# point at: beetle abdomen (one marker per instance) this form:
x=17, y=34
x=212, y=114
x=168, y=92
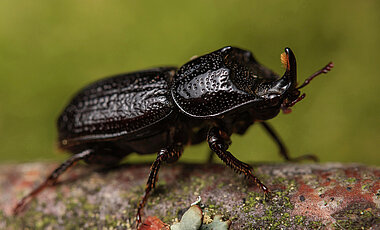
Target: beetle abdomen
x=117, y=106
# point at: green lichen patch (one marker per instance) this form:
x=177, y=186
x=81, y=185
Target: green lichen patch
x=357, y=216
x=275, y=210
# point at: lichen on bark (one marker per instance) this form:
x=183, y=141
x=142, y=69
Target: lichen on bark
x=303, y=196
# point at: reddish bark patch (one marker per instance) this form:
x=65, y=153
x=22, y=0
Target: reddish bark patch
x=329, y=193
x=153, y=223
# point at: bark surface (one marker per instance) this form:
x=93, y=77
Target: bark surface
x=331, y=195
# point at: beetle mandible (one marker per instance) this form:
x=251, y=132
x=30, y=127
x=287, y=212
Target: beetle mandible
x=209, y=98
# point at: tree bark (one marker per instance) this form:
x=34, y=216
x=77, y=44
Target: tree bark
x=331, y=195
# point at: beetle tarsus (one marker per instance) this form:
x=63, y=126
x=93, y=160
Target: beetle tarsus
x=283, y=150
x=51, y=180
x=310, y=157
x=169, y=155
x=219, y=144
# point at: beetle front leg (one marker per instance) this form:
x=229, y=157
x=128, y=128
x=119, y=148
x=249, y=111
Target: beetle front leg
x=281, y=146
x=218, y=141
x=52, y=179
x=168, y=155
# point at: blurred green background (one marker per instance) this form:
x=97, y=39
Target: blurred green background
x=51, y=49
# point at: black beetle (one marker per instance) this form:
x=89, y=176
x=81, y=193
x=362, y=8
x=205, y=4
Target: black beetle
x=163, y=109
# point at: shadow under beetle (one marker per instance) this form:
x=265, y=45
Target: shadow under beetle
x=163, y=109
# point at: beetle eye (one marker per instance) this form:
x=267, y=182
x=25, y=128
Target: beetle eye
x=273, y=99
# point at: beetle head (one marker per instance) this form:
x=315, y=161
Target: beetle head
x=284, y=92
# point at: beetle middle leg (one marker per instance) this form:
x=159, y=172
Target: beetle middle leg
x=168, y=155
x=219, y=141
x=52, y=179
x=283, y=150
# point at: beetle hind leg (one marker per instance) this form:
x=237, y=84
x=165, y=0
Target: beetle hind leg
x=51, y=180
x=283, y=150
x=218, y=141
x=168, y=155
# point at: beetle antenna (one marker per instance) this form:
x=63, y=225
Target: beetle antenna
x=285, y=107
x=291, y=104
x=325, y=70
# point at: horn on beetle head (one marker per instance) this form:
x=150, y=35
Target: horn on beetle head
x=289, y=61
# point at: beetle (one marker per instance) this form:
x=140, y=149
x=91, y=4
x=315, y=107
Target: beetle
x=207, y=99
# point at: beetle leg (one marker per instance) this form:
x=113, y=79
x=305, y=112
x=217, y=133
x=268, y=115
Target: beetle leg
x=218, y=141
x=210, y=157
x=283, y=150
x=168, y=155
x=52, y=179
